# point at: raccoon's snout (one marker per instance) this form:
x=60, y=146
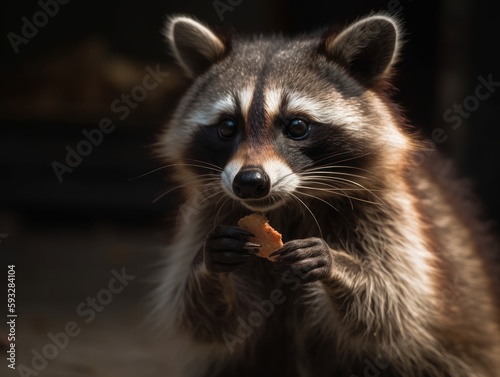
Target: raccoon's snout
x=251, y=183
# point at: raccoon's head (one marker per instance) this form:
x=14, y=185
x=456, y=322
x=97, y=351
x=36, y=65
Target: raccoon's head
x=271, y=120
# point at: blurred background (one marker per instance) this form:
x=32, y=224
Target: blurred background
x=69, y=67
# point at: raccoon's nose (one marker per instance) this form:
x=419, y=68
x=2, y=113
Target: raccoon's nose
x=251, y=183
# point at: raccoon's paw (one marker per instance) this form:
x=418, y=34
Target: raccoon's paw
x=310, y=259
x=227, y=248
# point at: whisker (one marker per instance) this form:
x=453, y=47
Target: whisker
x=327, y=182
x=208, y=181
x=284, y=201
x=211, y=196
x=195, y=166
x=335, y=164
x=216, y=218
x=335, y=190
x=324, y=167
x=353, y=158
x=319, y=178
x=207, y=166
x=149, y=172
x=312, y=214
x=341, y=173
x=359, y=185
x=206, y=163
x=330, y=156
x=318, y=198
x=344, y=194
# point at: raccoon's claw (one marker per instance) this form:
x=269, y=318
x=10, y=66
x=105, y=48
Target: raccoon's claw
x=227, y=248
x=310, y=259
x=221, y=231
x=251, y=246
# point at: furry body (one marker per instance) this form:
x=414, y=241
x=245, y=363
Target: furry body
x=380, y=273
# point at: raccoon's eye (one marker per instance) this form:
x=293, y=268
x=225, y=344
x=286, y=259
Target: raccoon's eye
x=228, y=129
x=298, y=129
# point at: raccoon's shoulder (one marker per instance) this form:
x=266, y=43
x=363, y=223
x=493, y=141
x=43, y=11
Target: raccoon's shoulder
x=448, y=202
x=438, y=179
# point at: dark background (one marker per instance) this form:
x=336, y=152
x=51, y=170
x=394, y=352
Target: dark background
x=61, y=82
x=66, y=236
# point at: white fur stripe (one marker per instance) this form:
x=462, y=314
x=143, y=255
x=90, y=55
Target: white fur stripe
x=337, y=111
x=281, y=176
x=273, y=98
x=227, y=176
x=245, y=97
x=210, y=114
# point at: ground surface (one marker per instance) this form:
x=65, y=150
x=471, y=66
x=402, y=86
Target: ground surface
x=56, y=272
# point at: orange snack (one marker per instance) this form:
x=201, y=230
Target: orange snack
x=268, y=238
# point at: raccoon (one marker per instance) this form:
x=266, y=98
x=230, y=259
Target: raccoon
x=384, y=268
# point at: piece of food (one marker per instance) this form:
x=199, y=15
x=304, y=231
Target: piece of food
x=265, y=235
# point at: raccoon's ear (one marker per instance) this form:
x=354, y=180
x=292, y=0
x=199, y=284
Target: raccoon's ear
x=367, y=49
x=193, y=44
